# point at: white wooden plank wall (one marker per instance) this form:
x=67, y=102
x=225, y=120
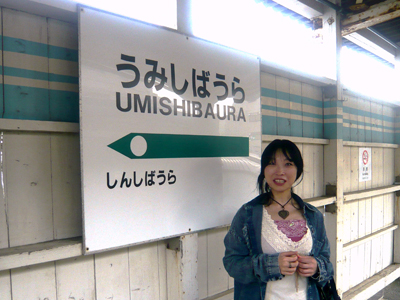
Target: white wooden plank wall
x=365, y=216
x=41, y=202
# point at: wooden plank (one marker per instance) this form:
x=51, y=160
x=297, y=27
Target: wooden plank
x=28, y=181
x=396, y=239
x=368, y=230
x=227, y=295
x=66, y=185
x=296, y=117
x=353, y=117
x=372, y=285
x=363, y=253
x=387, y=247
x=173, y=276
x=189, y=265
x=376, y=14
x=345, y=276
x=112, y=274
x=368, y=128
x=354, y=221
x=347, y=170
x=308, y=178
x=25, y=100
x=369, y=237
x=320, y=201
x=354, y=169
x=162, y=268
x=361, y=119
x=346, y=122
x=5, y=285
x=38, y=126
x=312, y=126
x=34, y=282
x=282, y=95
x=64, y=106
x=4, y=221
x=319, y=186
x=202, y=274
x=388, y=209
x=75, y=278
x=269, y=124
x=356, y=266
x=377, y=223
x=388, y=162
x=346, y=224
x=363, y=144
x=371, y=192
x=217, y=276
x=143, y=271
x=295, y=139
x=16, y=257
x=4, y=242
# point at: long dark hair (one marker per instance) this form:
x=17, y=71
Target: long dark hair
x=292, y=153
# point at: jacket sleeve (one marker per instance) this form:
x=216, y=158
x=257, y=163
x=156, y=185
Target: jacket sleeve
x=322, y=254
x=241, y=263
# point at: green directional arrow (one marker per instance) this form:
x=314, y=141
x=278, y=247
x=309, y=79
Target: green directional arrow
x=151, y=145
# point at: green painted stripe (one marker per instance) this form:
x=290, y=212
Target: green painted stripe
x=17, y=72
x=62, y=53
x=268, y=93
x=333, y=104
x=24, y=46
x=333, y=131
x=30, y=103
x=363, y=113
x=290, y=97
x=183, y=146
x=271, y=126
x=347, y=121
x=39, y=49
x=292, y=111
x=329, y=117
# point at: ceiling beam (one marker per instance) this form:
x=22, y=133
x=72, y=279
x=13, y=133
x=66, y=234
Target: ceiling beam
x=373, y=43
x=378, y=13
x=307, y=8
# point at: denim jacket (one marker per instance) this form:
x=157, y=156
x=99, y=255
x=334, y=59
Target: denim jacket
x=251, y=269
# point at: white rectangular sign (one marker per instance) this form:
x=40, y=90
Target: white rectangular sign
x=365, y=172
x=170, y=131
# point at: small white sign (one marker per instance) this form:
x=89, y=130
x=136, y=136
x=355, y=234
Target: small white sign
x=365, y=164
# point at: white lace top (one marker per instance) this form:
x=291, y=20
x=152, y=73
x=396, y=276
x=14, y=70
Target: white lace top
x=274, y=241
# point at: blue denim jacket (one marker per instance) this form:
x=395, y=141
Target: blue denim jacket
x=252, y=269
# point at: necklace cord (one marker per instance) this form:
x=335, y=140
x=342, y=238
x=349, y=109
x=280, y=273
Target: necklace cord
x=283, y=206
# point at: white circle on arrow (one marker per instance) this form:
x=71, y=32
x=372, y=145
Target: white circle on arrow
x=138, y=145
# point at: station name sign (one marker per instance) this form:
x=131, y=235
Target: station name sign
x=170, y=131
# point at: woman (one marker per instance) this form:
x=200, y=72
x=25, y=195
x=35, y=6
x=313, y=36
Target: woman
x=276, y=247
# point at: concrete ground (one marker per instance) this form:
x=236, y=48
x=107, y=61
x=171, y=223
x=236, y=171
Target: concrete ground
x=391, y=292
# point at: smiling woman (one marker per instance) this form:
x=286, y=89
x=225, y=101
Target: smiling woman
x=276, y=246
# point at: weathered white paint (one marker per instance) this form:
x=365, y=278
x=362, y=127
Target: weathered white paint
x=47, y=153
x=24, y=256
x=112, y=274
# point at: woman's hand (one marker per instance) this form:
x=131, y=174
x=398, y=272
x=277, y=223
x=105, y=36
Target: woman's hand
x=288, y=262
x=307, y=266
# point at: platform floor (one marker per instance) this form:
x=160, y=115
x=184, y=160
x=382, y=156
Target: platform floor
x=391, y=292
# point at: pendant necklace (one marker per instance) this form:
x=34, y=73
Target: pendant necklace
x=282, y=213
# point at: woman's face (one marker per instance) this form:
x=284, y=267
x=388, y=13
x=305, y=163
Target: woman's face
x=280, y=173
